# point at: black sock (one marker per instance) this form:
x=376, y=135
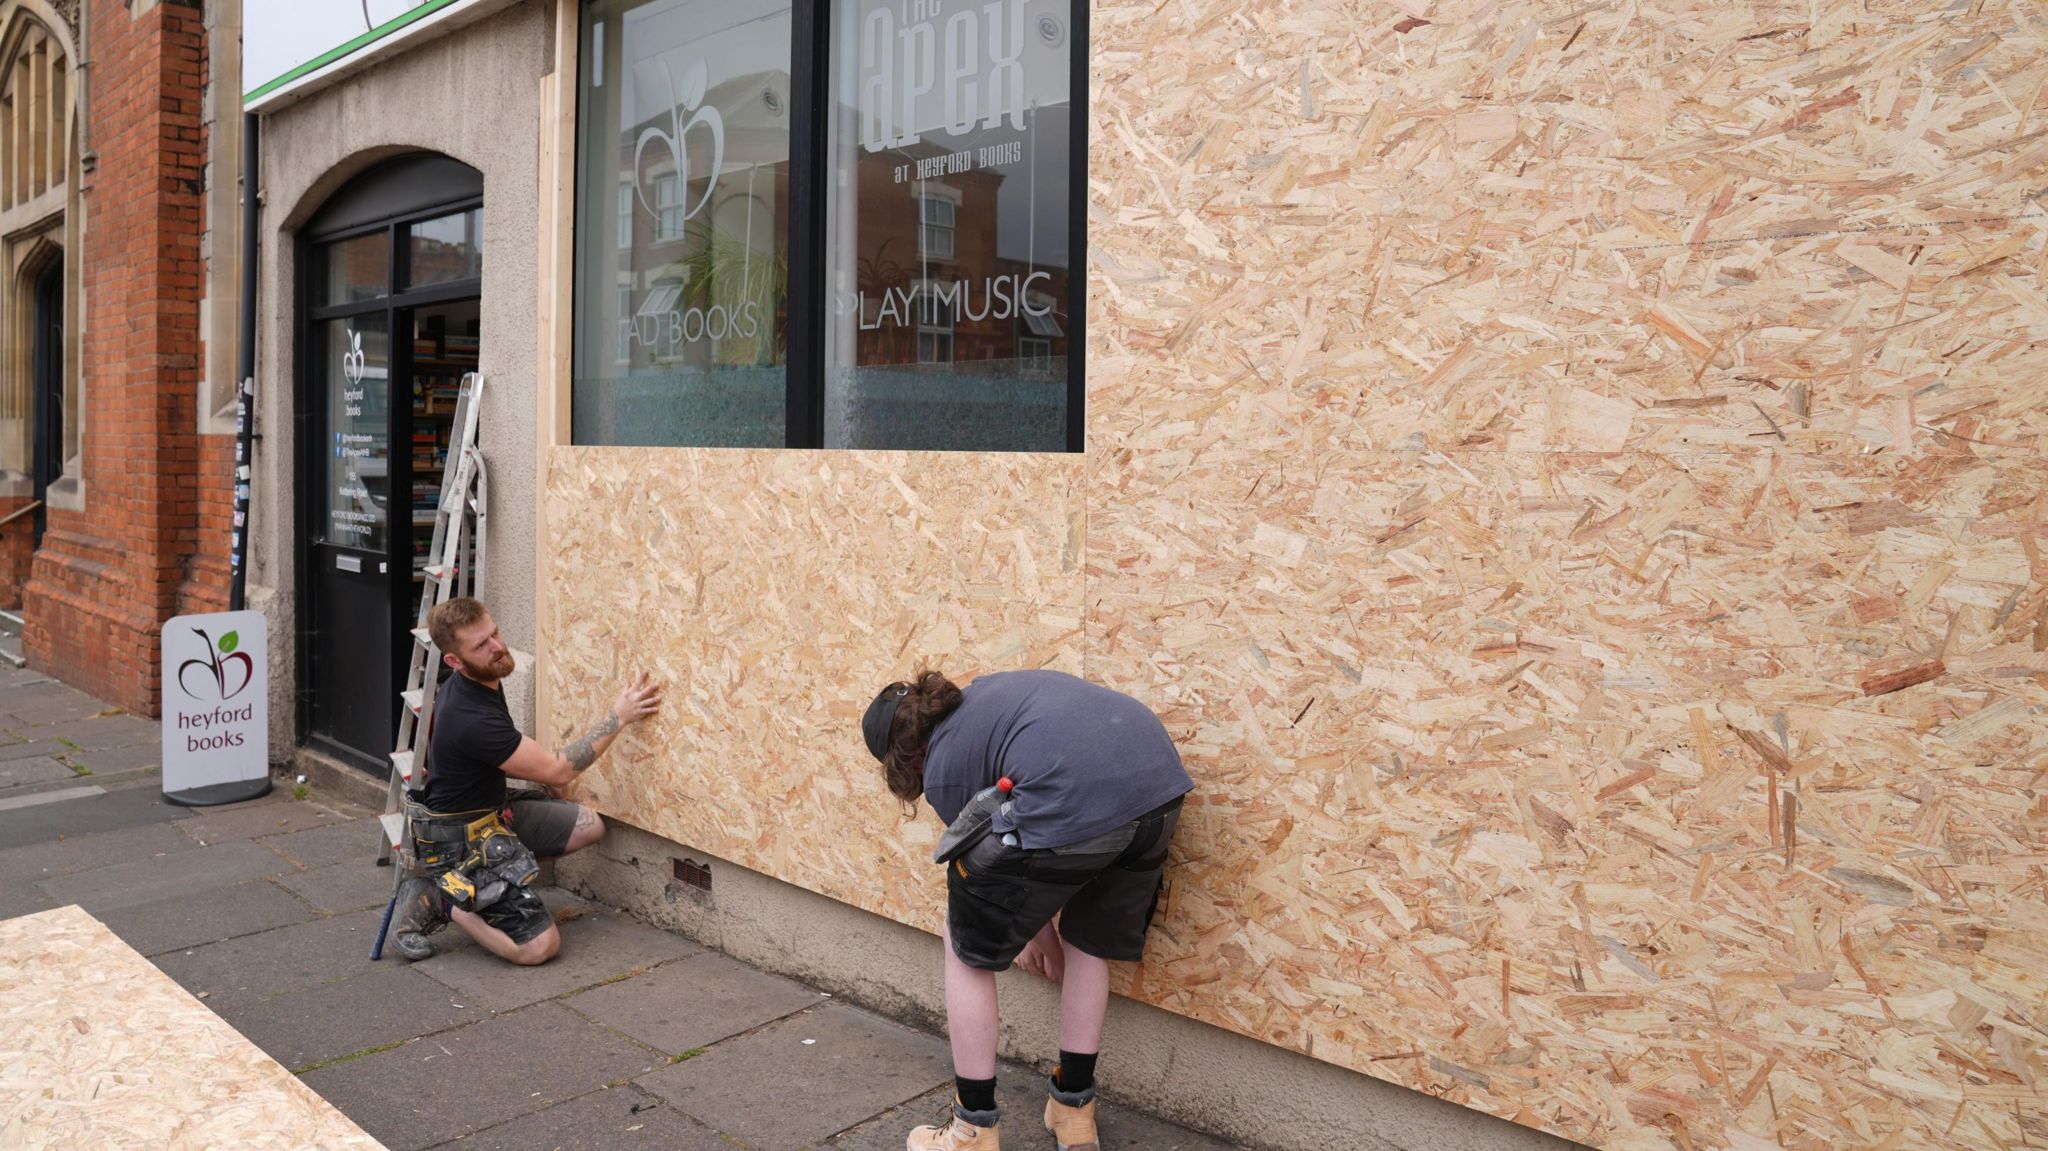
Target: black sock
x=1077, y=1072
x=976, y=1094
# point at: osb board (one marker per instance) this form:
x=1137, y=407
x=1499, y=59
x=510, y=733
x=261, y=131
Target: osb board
x=774, y=592
x=100, y=1049
x=1488, y=747
x=1517, y=435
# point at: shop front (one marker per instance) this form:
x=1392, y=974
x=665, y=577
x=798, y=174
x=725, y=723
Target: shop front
x=1515, y=451
x=391, y=279
x=396, y=152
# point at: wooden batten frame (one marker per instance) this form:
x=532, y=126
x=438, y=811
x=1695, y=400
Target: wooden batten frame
x=556, y=311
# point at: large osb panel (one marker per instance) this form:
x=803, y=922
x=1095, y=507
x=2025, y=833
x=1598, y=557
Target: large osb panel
x=775, y=591
x=100, y=1049
x=1549, y=783
x=1528, y=442
x=1529, y=225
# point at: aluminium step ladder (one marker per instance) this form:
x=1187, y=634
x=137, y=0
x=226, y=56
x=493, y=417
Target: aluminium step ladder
x=455, y=567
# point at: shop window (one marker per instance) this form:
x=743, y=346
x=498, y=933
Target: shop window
x=851, y=225
x=686, y=105
x=447, y=249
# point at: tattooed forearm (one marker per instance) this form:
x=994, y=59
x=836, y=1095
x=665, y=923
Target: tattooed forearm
x=583, y=752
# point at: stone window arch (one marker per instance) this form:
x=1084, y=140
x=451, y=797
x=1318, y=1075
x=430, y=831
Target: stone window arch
x=40, y=226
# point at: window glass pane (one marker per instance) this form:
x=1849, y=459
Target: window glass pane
x=680, y=324
x=355, y=364
x=354, y=270
x=448, y=249
x=947, y=225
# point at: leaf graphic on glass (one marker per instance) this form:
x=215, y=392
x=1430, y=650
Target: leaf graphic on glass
x=214, y=669
x=352, y=361
x=675, y=139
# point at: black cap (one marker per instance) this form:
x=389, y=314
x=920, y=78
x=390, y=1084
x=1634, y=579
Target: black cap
x=881, y=716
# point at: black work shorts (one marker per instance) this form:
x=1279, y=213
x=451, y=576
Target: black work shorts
x=519, y=914
x=544, y=826
x=1104, y=891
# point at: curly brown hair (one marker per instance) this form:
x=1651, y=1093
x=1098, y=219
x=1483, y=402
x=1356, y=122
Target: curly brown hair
x=932, y=697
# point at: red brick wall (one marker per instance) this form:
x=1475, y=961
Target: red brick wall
x=142, y=550
x=17, y=542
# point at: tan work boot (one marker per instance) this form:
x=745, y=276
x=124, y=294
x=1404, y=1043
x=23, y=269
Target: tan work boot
x=960, y=1134
x=1070, y=1116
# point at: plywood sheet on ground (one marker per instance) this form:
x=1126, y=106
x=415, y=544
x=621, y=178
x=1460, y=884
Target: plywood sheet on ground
x=100, y=1049
x=1571, y=476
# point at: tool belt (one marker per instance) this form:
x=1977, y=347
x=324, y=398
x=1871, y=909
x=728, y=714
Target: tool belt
x=472, y=856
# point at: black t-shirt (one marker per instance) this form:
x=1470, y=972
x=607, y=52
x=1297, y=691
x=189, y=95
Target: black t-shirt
x=473, y=738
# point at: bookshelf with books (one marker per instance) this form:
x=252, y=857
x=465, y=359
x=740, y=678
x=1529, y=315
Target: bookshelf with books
x=444, y=350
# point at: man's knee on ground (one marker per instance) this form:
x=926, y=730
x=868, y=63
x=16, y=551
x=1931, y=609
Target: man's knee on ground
x=540, y=948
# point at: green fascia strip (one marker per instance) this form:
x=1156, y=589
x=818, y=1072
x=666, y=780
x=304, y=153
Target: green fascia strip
x=333, y=54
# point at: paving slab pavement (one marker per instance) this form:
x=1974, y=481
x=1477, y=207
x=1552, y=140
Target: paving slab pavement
x=34, y=769
x=211, y=915
x=433, y=1089
x=693, y=1002
x=341, y=887
x=806, y=1078
x=267, y=910
x=622, y=1118
x=391, y=1004
x=598, y=946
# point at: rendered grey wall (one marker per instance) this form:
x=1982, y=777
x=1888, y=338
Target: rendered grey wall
x=1210, y=1079
x=474, y=95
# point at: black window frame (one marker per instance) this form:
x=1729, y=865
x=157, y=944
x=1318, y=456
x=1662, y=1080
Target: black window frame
x=809, y=180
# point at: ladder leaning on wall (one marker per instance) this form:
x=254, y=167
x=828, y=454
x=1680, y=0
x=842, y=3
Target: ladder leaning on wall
x=455, y=567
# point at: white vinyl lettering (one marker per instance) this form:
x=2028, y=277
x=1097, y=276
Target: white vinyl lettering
x=975, y=69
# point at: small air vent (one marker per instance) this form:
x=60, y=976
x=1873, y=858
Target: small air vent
x=694, y=873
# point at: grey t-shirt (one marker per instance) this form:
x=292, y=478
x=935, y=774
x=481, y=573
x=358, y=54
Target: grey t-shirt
x=1085, y=760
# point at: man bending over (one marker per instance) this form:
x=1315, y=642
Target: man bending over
x=476, y=846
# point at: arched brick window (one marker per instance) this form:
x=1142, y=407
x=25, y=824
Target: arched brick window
x=40, y=404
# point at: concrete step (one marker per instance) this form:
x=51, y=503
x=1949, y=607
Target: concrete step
x=10, y=639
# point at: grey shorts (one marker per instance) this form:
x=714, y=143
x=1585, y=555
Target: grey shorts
x=544, y=825
x=1104, y=891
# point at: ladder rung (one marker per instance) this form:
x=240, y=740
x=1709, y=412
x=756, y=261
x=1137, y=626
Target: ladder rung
x=422, y=637
x=401, y=762
x=413, y=699
x=394, y=828
x=440, y=572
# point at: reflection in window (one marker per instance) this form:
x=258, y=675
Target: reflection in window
x=936, y=236
x=683, y=156
x=947, y=225
x=448, y=249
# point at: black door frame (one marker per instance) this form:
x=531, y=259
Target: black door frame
x=310, y=414
x=46, y=388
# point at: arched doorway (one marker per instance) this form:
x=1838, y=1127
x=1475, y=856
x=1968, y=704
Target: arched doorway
x=390, y=302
